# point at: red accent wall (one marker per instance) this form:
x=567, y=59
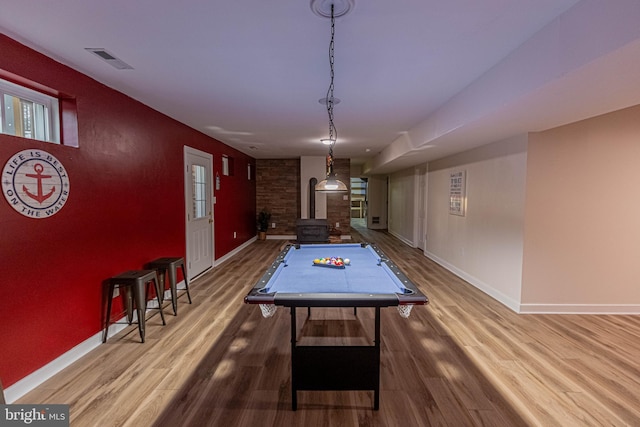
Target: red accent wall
x=125, y=208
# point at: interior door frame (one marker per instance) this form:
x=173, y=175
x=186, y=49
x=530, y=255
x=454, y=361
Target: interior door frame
x=420, y=233
x=187, y=204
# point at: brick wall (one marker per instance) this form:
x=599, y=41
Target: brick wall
x=278, y=190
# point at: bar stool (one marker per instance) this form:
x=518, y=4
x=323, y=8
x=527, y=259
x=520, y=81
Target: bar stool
x=136, y=282
x=162, y=265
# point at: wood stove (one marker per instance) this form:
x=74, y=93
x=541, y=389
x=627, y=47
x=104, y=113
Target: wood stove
x=312, y=230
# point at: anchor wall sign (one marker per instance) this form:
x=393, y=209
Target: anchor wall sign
x=35, y=183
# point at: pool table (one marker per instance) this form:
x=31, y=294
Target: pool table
x=361, y=276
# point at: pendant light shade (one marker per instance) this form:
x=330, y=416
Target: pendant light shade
x=331, y=183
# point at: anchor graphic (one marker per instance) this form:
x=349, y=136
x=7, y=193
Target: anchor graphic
x=40, y=197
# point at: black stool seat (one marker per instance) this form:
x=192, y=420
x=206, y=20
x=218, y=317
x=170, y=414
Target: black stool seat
x=136, y=282
x=171, y=264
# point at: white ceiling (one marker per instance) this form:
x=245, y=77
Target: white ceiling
x=417, y=79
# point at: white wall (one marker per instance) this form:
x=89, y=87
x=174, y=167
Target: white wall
x=552, y=219
x=402, y=215
x=377, y=201
x=485, y=246
x=582, y=228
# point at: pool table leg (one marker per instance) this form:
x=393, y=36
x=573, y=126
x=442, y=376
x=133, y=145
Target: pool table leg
x=376, y=392
x=294, y=382
x=376, y=356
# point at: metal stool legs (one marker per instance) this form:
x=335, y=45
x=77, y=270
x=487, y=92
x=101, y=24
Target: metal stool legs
x=170, y=265
x=134, y=282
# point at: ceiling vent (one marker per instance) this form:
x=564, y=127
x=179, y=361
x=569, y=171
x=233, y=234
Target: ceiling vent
x=109, y=58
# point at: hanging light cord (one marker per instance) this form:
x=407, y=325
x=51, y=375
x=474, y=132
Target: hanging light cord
x=331, y=184
x=333, y=132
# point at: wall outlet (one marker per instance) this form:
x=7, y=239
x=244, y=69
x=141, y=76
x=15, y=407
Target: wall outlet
x=273, y=225
x=337, y=225
x=345, y=197
x=234, y=235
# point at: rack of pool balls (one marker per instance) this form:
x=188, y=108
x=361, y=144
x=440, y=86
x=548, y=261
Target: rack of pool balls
x=334, y=262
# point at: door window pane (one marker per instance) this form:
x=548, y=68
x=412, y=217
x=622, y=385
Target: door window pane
x=199, y=182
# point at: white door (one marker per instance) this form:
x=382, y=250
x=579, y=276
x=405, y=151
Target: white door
x=198, y=179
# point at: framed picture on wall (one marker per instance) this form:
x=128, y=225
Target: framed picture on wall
x=457, y=192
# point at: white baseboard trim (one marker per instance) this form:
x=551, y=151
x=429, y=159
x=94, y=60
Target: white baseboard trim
x=402, y=238
x=234, y=252
x=602, y=309
x=487, y=289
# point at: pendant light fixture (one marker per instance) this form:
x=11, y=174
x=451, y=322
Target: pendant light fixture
x=331, y=183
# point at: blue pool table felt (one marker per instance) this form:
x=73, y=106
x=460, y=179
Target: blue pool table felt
x=364, y=274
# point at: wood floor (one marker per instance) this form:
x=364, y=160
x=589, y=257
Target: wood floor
x=463, y=360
